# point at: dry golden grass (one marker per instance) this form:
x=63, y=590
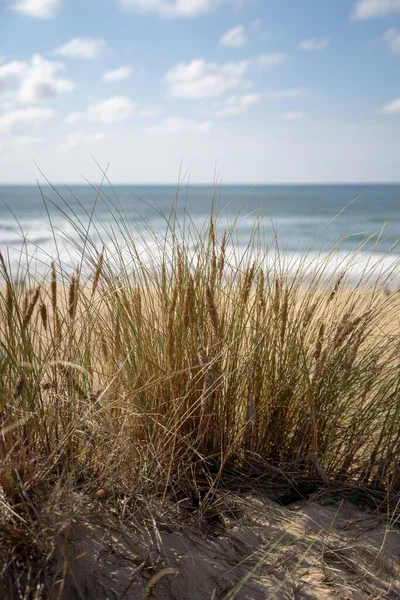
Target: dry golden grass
x=152, y=380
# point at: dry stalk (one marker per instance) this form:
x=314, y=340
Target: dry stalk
x=117, y=336
x=58, y=329
x=319, y=342
x=344, y=330
x=31, y=307
x=221, y=261
x=284, y=314
x=260, y=293
x=170, y=325
x=25, y=303
x=9, y=299
x=336, y=288
x=9, y=308
x=54, y=305
x=247, y=283
x=212, y=310
x=97, y=272
x=20, y=386
x=43, y=314
x=209, y=374
x=104, y=345
x=309, y=315
x=71, y=379
x=181, y=268
x=137, y=307
x=73, y=297
x=251, y=411
x=189, y=306
x=164, y=281
x=53, y=287
x=350, y=360
x=277, y=297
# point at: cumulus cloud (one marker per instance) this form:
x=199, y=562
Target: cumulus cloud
x=271, y=61
x=178, y=125
x=392, y=38
x=25, y=119
x=78, y=138
x=201, y=79
x=235, y=38
x=236, y=105
x=392, y=108
x=171, y=8
x=117, y=74
x=113, y=110
x=314, y=44
x=84, y=47
x=39, y=9
x=370, y=9
x=284, y=94
x=294, y=116
x=33, y=81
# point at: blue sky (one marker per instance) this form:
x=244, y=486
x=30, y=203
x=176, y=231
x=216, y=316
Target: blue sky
x=274, y=91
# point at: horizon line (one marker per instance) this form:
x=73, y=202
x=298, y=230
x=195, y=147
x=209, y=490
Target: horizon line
x=208, y=184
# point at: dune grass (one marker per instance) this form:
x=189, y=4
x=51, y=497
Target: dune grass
x=154, y=367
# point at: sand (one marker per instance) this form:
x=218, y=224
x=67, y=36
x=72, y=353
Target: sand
x=314, y=550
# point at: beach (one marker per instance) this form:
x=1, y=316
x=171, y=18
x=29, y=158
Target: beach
x=186, y=389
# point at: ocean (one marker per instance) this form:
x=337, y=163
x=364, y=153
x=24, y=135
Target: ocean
x=36, y=225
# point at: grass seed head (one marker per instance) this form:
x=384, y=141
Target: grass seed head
x=97, y=272
x=31, y=307
x=43, y=314
x=73, y=297
x=53, y=287
x=20, y=386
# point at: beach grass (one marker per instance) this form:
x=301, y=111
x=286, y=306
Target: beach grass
x=155, y=369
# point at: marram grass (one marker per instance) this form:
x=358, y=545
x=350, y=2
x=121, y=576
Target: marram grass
x=138, y=376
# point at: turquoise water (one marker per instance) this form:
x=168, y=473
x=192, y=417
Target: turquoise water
x=298, y=214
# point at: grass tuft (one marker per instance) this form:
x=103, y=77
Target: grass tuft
x=205, y=359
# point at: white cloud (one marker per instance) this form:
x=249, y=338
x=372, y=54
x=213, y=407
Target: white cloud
x=27, y=140
x=85, y=47
x=314, y=44
x=235, y=38
x=271, y=61
x=117, y=74
x=294, y=116
x=113, y=110
x=201, y=79
x=40, y=9
x=392, y=108
x=178, y=125
x=370, y=9
x=392, y=37
x=236, y=105
x=284, y=94
x=149, y=112
x=33, y=81
x=25, y=119
x=20, y=142
x=171, y=8
x=79, y=138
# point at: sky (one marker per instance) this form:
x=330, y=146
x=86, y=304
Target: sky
x=249, y=91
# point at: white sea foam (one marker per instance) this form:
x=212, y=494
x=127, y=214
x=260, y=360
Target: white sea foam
x=33, y=243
